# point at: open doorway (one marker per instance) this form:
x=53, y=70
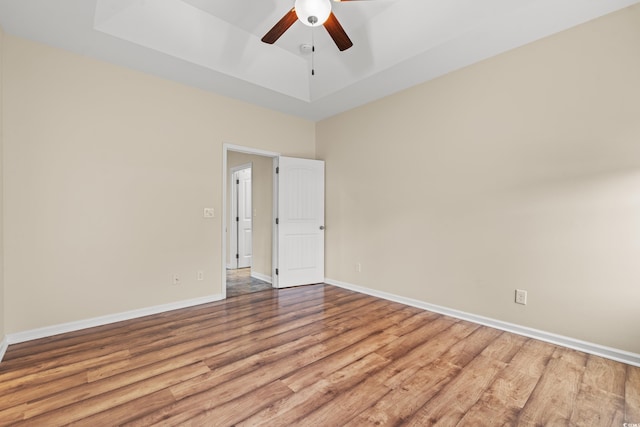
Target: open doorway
x=288, y=229
x=249, y=213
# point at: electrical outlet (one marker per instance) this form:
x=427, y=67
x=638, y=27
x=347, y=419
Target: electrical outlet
x=521, y=297
x=209, y=213
x=200, y=275
x=176, y=279
x=358, y=267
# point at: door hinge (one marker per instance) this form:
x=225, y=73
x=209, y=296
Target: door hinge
x=277, y=169
x=237, y=219
x=276, y=271
x=237, y=256
x=277, y=221
x=237, y=181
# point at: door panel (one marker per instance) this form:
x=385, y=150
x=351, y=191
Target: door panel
x=301, y=222
x=244, y=218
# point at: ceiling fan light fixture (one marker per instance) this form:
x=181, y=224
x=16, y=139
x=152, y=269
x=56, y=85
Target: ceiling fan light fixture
x=313, y=13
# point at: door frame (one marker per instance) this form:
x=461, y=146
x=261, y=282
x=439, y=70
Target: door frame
x=233, y=236
x=274, y=250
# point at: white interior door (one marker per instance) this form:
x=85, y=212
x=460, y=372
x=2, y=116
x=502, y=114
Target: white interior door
x=243, y=182
x=300, y=229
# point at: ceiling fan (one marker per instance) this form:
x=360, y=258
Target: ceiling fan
x=312, y=13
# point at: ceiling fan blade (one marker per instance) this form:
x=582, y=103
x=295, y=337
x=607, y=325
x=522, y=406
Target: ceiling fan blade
x=281, y=26
x=337, y=33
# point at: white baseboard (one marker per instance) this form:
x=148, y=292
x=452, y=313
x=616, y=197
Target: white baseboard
x=587, y=347
x=4, y=344
x=261, y=276
x=62, y=328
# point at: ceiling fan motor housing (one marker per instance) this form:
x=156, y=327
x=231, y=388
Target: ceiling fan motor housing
x=312, y=12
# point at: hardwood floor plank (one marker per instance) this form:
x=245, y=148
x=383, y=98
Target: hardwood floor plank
x=437, y=377
x=314, y=355
x=70, y=405
x=632, y=395
x=323, y=368
x=13, y=415
x=436, y=383
x=231, y=380
x=40, y=376
x=128, y=411
x=451, y=403
x=419, y=319
x=346, y=405
x=294, y=408
x=559, y=384
x=512, y=387
x=59, y=366
x=232, y=412
x=306, y=350
x=600, y=401
x=605, y=375
x=202, y=341
x=594, y=407
x=257, y=347
x=505, y=347
x=312, y=373
x=144, y=335
x=416, y=337
x=227, y=383
x=232, y=338
x=404, y=400
x=457, y=396
x=32, y=351
x=35, y=391
x=405, y=365
x=462, y=352
x=245, y=306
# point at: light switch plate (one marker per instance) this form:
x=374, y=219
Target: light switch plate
x=209, y=213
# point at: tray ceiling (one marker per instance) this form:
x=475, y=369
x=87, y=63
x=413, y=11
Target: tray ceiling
x=215, y=44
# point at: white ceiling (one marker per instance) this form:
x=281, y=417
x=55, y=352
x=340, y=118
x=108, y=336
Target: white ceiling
x=215, y=44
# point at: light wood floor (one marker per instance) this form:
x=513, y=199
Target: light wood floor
x=312, y=356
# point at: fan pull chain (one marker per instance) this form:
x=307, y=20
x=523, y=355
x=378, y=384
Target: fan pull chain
x=313, y=49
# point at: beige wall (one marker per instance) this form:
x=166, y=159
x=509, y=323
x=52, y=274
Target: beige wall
x=522, y=171
x=2, y=300
x=107, y=171
x=262, y=201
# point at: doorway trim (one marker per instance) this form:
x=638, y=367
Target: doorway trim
x=226, y=147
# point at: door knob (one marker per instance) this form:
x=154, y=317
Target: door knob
x=322, y=227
